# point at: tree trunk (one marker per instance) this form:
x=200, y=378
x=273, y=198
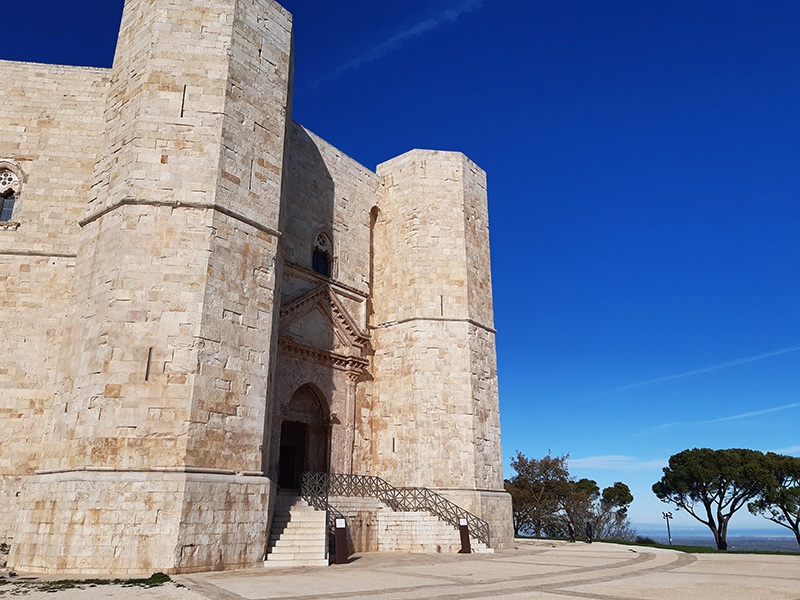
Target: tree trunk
x=722, y=537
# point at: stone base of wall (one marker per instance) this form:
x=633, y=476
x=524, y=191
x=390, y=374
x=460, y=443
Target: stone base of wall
x=494, y=507
x=140, y=522
x=10, y=492
x=496, y=510
x=374, y=527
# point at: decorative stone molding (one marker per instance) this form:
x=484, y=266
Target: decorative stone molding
x=12, y=166
x=322, y=297
x=303, y=352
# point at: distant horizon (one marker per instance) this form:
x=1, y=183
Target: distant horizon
x=738, y=531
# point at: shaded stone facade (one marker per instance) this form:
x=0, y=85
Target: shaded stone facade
x=201, y=299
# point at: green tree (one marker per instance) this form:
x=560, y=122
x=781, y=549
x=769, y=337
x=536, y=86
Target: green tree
x=779, y=502
x=711, y=485
x=535, y=490
x=545, y=498
x=607, y=512
x=617, y=496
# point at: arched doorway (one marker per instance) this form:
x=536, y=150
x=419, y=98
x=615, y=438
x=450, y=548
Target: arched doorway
x=304, y=437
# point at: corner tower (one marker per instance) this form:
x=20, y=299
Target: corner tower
x=154, y=460
x=435, y=410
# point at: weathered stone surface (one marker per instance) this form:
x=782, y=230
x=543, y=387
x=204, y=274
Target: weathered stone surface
x=200, y=298
x=138, y=522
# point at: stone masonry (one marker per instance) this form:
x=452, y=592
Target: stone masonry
x=201, y=298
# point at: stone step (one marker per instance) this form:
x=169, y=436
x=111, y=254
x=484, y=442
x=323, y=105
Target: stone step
x=302, y=524
x=295, y=546
x=299, y=518
x=290, y=501
x=311, y=552
x=315, y=541
x=290, y=563
x=311, y=536
x=298, y=535
x=294, y=506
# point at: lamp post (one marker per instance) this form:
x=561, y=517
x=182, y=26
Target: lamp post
x=668, y=516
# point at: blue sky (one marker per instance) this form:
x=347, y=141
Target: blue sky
x=643, y=186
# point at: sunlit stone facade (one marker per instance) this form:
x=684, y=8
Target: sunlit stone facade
x=201, y=298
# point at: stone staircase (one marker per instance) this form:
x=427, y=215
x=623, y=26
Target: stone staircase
x=297, y=538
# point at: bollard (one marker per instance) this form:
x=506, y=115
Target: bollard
x=466, y=548
x=341, y=542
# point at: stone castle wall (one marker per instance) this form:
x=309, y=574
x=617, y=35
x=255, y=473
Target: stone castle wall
x=435, y=414
x=51, y=125
x=161, y=309
x=177, y=278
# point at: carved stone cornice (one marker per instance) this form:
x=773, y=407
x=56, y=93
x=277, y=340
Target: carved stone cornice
x=290, y=348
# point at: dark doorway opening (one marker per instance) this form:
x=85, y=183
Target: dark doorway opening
x=305, y=437
x=293, y=454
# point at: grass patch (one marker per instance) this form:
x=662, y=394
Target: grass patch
x=25, y=586
x=700, y=549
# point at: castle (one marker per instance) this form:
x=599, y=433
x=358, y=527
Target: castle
x=201, y=299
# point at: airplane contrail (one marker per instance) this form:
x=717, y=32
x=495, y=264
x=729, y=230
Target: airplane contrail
x=725, y=365
x=443, y=17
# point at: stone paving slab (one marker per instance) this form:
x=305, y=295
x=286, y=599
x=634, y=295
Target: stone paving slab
x=534, y=570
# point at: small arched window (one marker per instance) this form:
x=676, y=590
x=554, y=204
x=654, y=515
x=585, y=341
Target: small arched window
x=9, y=188
x=322, y=257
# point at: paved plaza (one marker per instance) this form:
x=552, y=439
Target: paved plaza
x=535, y=570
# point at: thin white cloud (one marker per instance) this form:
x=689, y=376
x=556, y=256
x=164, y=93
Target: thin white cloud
x=754, y=413
x=789, y=450
x=746, y=415
x=615, y=461
x=732, y=363
x=443, y=17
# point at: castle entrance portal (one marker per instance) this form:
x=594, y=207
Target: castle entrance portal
x=305, y=438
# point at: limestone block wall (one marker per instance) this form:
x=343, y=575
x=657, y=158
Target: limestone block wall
x=34, y=294
x=328, y=190
x=195, y=511
x=422, y=415
x=124, y=404
x=374, y=527
x=420, y=241
x=175, y=297
x=434, y=408
x=177, y=274
x=200, y=92
x=235, y=345
x=51, y=125
x=435, y=376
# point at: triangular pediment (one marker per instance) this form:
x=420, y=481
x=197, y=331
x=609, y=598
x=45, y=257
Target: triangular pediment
x=318, y=318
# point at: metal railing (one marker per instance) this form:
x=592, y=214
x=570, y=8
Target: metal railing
x=318, y=486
